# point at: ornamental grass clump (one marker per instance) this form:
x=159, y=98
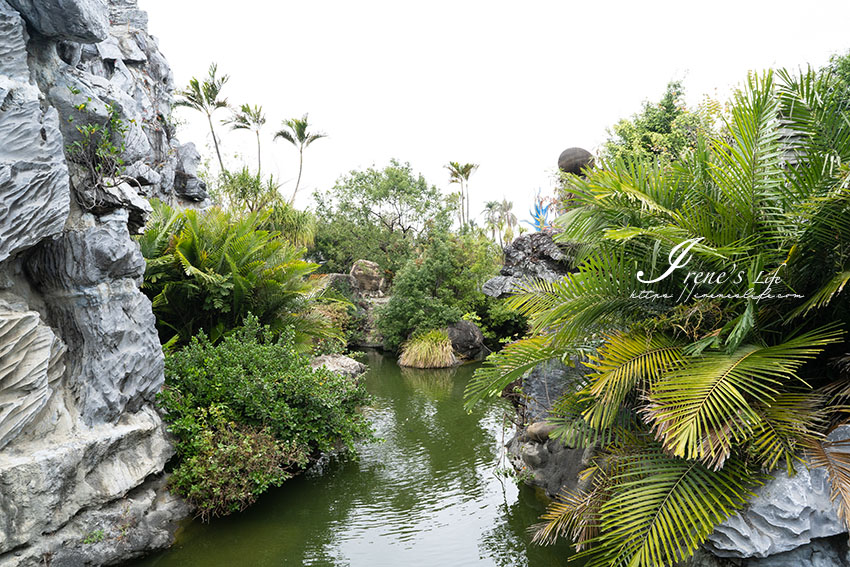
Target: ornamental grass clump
x=428, y=350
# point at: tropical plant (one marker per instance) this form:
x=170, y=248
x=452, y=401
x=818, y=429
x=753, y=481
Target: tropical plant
x=539, y=214
x=249, y=118
x=295, y=132
x=702, y=379
x=460, y=174
x=203, y=96
x=507, y=221
x=491, y=217
x=208, y=270
x=244, y=191
x=432, y=349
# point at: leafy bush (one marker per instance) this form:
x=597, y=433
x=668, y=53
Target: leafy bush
x=100, y=146
x=432, y=349
x=225, y=402
x=438, y=287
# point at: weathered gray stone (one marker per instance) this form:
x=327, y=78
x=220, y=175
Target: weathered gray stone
x=126, y=13
x=77, y=20
x=186, y=181
x=143, y=521
x=467, y=340
x=113, y=194
x=339, y=364
x=786, y=513
x=46, y=482
x=31, y=364
x=90, y=280
x=532, y=255
x=369, y=277
x=34, y=189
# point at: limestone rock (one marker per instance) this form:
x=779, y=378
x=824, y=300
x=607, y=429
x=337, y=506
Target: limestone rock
x=34, y=189
x=786, y=513
x=467, y=340
x=90, y=280
x=77, y=20
x=339, y=364
x=532, y=255
x=113, y=194
x=31, y=365
x=370, y=280
x=186, y=182
x=44, y=483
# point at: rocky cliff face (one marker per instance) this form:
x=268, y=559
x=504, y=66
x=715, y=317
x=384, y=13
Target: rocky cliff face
x=80, y=362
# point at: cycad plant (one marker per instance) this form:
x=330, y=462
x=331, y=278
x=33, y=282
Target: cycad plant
x=207, y=270
x=707, y=302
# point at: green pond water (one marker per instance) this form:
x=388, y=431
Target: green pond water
x=428, y=495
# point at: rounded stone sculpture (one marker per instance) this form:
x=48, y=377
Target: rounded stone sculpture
x=573, y=160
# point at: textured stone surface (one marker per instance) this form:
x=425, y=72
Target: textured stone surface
x=34, y=188
x=77, y=20
x=90, y=280
x=142, y=521
x=467, y=340
x=186, y=182
x=369, y=277
x=340, y=364
x=532, y=255
x=787, y=512
x=43, y=484
x=31, y=364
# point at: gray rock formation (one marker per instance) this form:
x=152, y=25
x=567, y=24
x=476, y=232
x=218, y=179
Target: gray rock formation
x=340, y=364
x=532, y=255
x=369, y=278
x=541, y=461
x=467, y=340
x=81, y=448
x=75, y=20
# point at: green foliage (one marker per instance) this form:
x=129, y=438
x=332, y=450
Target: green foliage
x=662, y=130
x=100, y=147
x=438, y=287
x=243, y=191
x=722, y=371
x=208, y=270
x=432, y=349
x=376, y=215
x=94, y=536
x=203, y=96
x=247, y=411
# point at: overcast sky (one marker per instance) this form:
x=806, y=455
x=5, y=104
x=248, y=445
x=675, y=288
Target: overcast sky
x=505, y=85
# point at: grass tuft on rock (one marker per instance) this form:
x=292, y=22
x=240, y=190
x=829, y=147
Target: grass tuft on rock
x=428, y=350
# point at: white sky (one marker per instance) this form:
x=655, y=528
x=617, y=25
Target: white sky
x=505, y=85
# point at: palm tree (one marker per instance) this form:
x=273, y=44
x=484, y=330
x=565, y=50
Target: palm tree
x=507, y=217
x=295, y=132
x=460, y=174
x=204, y=97
x=249, y=118
x=689, y=399
x=491, y=217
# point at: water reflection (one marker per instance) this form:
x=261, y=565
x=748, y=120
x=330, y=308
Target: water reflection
x=426, y=496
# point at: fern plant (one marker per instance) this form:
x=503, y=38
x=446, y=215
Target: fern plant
x=704, y=379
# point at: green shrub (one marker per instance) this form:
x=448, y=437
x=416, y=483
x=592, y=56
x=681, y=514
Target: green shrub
x=224, y=402
x=428, y=350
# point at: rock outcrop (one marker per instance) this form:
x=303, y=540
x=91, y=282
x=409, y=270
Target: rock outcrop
x=532, y=255
x=81, y=448
x=467, y=340
x=339, y=364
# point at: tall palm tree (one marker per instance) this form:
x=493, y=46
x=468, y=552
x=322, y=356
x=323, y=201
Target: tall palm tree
x=506, y=216
x=249, y=118
x=295, y=132
x=491, y=217
x=460, y=174
x=203, y=96
x=690, y=398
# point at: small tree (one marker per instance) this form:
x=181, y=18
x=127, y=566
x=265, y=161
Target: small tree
x=460, y=174
x=249, y=118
